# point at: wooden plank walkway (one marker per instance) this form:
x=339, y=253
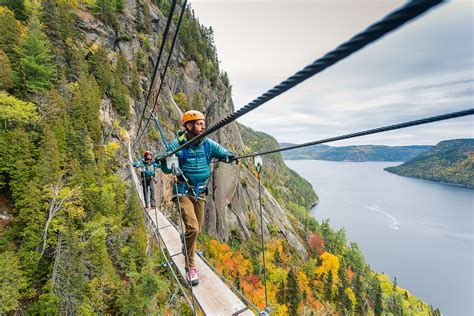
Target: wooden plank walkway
x=212, y=294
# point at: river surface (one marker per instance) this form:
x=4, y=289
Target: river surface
x=418, y=231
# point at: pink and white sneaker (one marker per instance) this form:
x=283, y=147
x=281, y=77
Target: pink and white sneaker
x=193, y=273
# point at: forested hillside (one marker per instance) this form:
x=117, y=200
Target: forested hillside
x=76, y=243
x=73, y=82
x=450, y=161
x=355, y=153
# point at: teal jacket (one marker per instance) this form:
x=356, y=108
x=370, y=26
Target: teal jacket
x=148, y=169
x=196, y=166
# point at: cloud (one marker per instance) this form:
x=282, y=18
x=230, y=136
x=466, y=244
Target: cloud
x=425, y=68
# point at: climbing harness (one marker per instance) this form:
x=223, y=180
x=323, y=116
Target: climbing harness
x=183, y=156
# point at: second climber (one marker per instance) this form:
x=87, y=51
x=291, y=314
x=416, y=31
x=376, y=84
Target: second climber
x=147, y=167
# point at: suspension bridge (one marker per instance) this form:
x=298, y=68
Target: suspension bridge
x=215, y=295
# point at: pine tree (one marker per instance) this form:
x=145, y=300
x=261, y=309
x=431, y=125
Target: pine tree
x=49, y=160
x=142, y=17
x=277, y=258
x=280, y=295
x=10, y=34
x=6, y=81
x=119, y=97
x=18, y=7
x=11, y=282
x=328, y=287
x=237, y=281
x=359, y=293
x=120, y=5
x=36, y=60
x=342, y=299
x=378, y=304
x=60, y=26
x=105, y=10
x=100, y=67
x=293, y=296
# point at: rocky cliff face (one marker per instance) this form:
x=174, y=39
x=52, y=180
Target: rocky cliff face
x=233, y=203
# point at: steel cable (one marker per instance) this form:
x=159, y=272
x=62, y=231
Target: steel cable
x=158, y=59
x=183, y=9
x=374, y=32
x=368, y=132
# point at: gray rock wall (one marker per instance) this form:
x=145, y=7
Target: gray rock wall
x=230, y=203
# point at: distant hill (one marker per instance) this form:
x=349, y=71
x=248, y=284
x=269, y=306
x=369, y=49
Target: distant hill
x=451, y=161
x=355, y=153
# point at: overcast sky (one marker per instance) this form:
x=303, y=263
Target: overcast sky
x=425, y=68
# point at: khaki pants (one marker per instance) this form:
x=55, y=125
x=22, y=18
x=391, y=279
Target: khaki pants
x=193, y=214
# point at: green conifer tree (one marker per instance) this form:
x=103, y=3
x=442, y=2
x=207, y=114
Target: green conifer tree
x=359, y=292
x=277, y=258
x=328, y=288
x=237, y=281
x=36, y=60
x=105, y=10
x=49, y=159
x=10, y=34
x=280, y=295
x=378, y=304
x=18, y=7
x=11, y=282
x=6, y=81
x=100, y=67
x=293, y=295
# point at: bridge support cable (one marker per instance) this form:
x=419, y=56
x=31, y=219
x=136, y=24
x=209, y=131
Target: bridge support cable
x=158, y=59
x=162, y=77
x=422, y=121
x=258, y=162
x=374, y=32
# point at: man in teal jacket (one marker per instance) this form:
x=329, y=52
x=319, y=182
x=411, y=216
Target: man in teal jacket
x=194, y=163
x=147, y=170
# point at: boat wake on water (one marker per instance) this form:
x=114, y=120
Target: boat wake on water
x=394, y=225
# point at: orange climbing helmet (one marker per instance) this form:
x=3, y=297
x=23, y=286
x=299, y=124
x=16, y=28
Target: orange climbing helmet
x=192, y=115
x=146, y=153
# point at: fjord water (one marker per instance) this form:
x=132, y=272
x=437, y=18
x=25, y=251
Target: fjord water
x=417, y=230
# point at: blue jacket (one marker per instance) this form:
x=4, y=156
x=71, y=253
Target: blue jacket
x=148, y=168
x=196, y=166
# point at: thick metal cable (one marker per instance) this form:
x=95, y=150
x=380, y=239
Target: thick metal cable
x=368, y=132
x=262, y=237
x=183, y=10
x=374, y=32
x=158, y=59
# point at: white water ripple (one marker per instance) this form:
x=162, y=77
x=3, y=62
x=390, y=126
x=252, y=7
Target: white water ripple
x=395, y=225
